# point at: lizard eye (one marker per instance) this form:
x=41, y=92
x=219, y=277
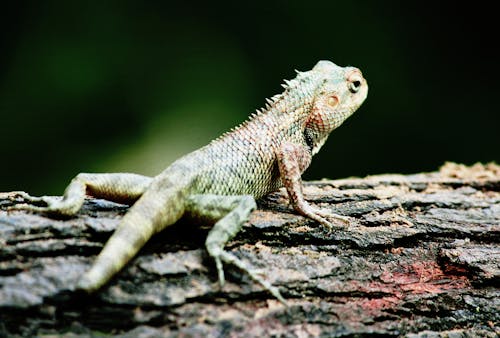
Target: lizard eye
x=332, y=101
x=354, y=86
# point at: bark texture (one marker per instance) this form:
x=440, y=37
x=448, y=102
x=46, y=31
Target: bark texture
x=420, y=259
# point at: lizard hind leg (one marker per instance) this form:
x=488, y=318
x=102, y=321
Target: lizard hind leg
x=229, y=214
x=117, y=187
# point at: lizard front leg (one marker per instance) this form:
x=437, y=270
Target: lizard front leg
x=117, y=187
x=229, y=212
x=293, y=159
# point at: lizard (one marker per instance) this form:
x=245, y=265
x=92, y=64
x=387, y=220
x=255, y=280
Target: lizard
x=221, y=181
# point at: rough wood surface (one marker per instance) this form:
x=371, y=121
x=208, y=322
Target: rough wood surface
x=420, y=259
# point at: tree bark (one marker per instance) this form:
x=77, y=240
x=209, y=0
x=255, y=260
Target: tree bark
x=421, y=258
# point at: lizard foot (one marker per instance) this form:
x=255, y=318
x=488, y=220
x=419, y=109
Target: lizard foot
x=328, y=214
x=321, y=215
x=231, y=259
x=44, y=204
x=30, y=203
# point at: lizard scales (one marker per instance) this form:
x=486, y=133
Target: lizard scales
x=222, y=180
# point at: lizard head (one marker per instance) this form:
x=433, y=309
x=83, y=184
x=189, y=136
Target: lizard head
x=338, y=93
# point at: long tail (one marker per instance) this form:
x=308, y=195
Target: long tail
x=158, y=208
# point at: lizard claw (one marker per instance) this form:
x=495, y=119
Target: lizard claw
x=29, y=203
x=231, y=259
x=26, y=207
x=15, y=195
x=46, y=204
x=327, y=214
x=322, y=215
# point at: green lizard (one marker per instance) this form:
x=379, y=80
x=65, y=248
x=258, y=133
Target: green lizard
x=221, y=181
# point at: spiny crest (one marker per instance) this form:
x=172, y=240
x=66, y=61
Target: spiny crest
x=288, y=85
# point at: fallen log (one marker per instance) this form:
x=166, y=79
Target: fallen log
x=421, y=258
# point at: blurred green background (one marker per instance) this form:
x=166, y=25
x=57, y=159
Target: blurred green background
x=132, y=85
